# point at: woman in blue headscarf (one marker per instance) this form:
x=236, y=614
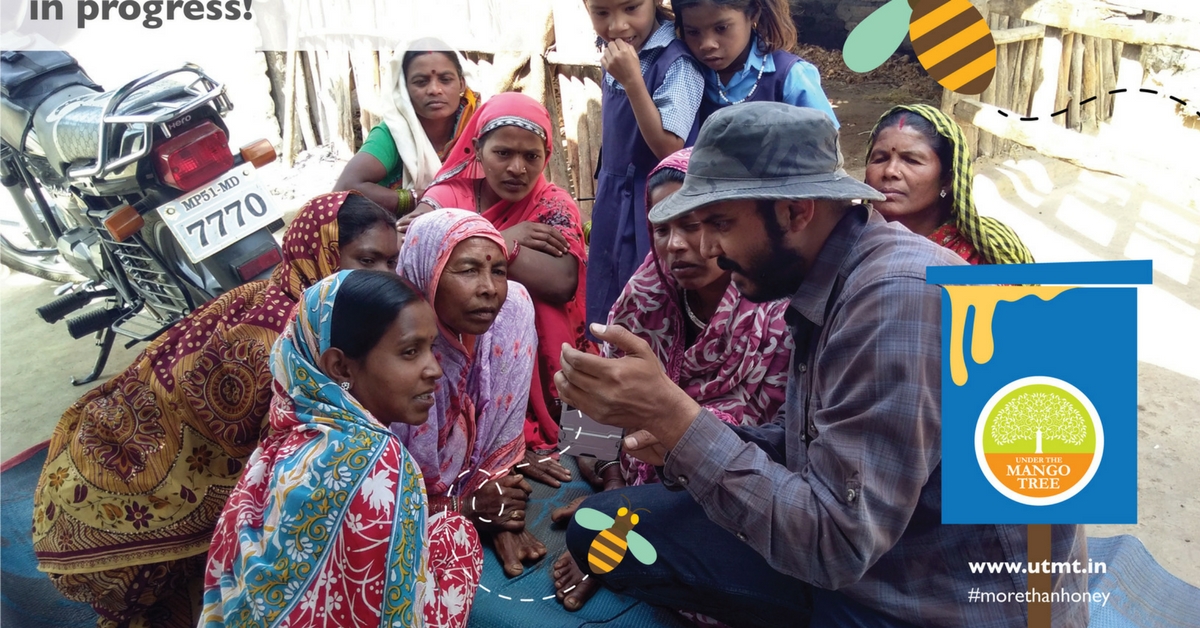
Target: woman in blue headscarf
x=329, y=524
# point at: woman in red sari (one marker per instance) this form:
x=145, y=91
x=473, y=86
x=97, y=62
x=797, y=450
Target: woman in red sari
x=918, y=159
x=496, y=169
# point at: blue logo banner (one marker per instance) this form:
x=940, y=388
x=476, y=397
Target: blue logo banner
x=1039, y=392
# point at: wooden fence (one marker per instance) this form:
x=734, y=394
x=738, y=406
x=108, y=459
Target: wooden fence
x=331, y=97
x=1068, y=63
x=1057, y=60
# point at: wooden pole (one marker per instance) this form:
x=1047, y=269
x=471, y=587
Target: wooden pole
x=1002, y=80
x=1045, y=94
x=1064, y=81
x=365, y=70
x=304, y=117
x=1039, y=546
x=1108, y=79
x=1026, y=78
x=1076, y=83
x=987, y=142
x=340, y=89
x=289, y=110
x=1090, y=113
x=1016, y=63
x=1129, y=78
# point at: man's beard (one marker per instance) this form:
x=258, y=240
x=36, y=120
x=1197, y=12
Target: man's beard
x=773, y=274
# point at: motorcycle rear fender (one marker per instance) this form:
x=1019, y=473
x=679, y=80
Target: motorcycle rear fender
x=221, y=270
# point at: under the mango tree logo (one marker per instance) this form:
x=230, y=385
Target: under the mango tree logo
x=1039, y=392
x=1039, y=441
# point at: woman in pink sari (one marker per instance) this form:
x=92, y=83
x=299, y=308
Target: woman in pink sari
x=486, y=344
x=728, y=353
x=731, y=355
x=496, y=169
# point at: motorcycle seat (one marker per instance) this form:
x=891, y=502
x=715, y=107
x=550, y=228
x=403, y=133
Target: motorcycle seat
x=70, y=131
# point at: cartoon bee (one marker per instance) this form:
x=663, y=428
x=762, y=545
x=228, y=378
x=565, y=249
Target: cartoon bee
x=609, y=547
x=951, y=39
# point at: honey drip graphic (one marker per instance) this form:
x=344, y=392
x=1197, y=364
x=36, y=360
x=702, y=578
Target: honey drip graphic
x=984, y=299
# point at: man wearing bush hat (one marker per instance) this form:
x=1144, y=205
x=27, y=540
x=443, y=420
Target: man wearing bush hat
x=831, y=513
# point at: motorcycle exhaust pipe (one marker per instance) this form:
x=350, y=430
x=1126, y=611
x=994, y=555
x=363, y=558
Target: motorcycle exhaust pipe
x=55, y=310
x=92, y=321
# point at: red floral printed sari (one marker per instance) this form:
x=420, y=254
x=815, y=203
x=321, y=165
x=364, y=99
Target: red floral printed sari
x=139, y=468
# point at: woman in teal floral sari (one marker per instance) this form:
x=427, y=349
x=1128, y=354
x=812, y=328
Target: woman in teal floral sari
x=329, y=524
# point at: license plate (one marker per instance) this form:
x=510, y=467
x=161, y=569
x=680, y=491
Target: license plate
x=220, y=213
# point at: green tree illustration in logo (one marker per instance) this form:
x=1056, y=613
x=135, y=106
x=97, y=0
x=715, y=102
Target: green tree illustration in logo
x=1039, y=416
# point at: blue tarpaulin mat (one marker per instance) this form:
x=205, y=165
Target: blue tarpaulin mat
x=27, y=598
x=1142, y=593
x=527, y=601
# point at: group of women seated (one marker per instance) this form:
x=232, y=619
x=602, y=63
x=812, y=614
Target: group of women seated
x=333, y=444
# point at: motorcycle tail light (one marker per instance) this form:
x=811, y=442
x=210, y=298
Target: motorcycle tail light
x=266, y=260
x=190, y=159
x=123, y=222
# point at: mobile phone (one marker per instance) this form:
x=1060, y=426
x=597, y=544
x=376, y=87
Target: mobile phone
x=587, y=437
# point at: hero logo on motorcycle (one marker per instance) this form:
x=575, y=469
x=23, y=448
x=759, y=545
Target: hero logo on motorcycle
x=220, y=213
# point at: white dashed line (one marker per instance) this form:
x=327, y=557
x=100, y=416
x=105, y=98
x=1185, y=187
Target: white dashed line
x=505, y=597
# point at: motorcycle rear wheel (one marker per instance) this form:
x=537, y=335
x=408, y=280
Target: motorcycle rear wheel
x=50, y=268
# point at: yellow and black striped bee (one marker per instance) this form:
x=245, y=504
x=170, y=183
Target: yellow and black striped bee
x=952, y=41
x=608, y=548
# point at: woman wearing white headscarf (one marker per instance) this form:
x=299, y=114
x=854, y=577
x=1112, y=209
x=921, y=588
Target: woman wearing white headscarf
x=427, y=105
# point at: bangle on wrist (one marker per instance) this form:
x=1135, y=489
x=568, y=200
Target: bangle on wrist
x=601, y=467
x=406, y=201
x=514, y=251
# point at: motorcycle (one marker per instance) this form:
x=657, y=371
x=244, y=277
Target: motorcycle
x=133, y=196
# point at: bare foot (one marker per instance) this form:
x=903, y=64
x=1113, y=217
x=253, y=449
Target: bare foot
x=515, y=548
x=572, y=587
x=587, y=470
x=564, y=514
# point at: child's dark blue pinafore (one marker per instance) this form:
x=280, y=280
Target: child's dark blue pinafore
x=620, y=237
x=770, y=86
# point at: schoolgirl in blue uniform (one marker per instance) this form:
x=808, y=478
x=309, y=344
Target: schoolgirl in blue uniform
x=745, y=48
x=651, y=94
